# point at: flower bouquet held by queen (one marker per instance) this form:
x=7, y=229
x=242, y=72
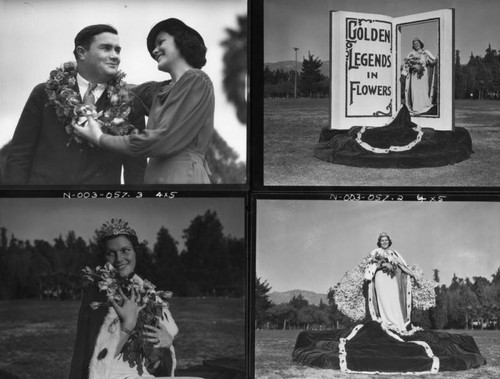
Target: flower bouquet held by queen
x=125, y=329
x=379, y=294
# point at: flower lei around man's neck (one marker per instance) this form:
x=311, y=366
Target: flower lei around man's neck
x=60, y=88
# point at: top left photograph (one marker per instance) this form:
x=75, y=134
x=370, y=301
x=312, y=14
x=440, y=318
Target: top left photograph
x=123, y=93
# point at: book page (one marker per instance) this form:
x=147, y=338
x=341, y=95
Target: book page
x=375, y=71
x=362, y=69
x=424, y=54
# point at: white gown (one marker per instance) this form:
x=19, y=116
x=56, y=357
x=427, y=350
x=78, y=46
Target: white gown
x=419, y=90
x=389, y=299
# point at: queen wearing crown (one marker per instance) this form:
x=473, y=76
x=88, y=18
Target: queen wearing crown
x=420, y=79
x=112, y=341
x=384, y=340
x=389, y=286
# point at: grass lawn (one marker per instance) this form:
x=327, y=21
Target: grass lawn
x=292, y=128
x=37, y=337
x=273, y=352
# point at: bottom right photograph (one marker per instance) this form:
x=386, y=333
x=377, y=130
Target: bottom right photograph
x=377, y=288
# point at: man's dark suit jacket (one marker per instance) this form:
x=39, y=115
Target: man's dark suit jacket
x=39, y=153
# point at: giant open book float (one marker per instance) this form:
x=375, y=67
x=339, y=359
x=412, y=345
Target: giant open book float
x=387, y=109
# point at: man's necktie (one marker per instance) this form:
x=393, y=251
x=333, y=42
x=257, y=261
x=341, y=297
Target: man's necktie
x=88, y=97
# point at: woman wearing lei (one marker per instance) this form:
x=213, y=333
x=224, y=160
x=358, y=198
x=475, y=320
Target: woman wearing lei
x=125, y=329
x=420, y=78
x=384, y=340
x=181, y=111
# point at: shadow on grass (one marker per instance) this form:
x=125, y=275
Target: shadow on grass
x=292, y=128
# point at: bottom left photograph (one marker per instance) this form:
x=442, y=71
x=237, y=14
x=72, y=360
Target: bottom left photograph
x=123, y=288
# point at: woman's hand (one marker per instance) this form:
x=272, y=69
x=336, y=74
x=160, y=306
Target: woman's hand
x=90, y=130
x=129, y=310
x=158, y=336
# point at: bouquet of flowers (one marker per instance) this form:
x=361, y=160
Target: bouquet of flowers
x=414, y=64
x=137, y=351
x=62, y=94
x=386, y=262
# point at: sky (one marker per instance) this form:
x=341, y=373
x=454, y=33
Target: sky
x=310, y=244
x=37, y=36
x=305, y=24
x=48, y=218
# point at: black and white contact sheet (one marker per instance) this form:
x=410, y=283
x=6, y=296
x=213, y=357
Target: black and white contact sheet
x=268, y=263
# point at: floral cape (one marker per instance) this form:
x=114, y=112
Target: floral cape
x=351, y=301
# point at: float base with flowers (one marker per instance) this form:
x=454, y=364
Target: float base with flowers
x=400, y=144
x=373, y=348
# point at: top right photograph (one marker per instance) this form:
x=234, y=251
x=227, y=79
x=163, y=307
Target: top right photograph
x=387, y=93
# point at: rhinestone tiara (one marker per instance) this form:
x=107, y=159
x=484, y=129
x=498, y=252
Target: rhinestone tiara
x=115, y=227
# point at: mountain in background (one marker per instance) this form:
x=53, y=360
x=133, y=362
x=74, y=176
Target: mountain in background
x=285, y=297
x=290, y=66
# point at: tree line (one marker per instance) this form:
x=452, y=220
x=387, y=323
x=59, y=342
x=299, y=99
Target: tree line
x=478, y=79
x=309, y=82
x=464, y=304
x=211, y=264
x=296, y=314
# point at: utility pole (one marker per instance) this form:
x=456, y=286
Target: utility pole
x=296, y=69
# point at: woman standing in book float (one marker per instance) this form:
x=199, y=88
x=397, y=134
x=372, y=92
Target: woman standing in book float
x=385, y=341
x=181, y=110
x=389, y=288
x=419, y=68
x=125, y=329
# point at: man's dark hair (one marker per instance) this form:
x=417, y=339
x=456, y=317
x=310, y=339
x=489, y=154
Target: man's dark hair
x=85, y=37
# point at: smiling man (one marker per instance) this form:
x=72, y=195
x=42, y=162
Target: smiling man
x=44, y=151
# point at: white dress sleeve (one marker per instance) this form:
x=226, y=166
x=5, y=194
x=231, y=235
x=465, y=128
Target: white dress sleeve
x=168, y=321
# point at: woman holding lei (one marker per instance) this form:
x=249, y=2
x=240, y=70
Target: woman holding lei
x=420, y=78
x=384, y=340
x=181, y=111
x=125, y=329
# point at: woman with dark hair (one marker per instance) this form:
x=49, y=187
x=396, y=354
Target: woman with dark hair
x=181, y=111
x=103, y=333
x=389, y=286
x=420, y=79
